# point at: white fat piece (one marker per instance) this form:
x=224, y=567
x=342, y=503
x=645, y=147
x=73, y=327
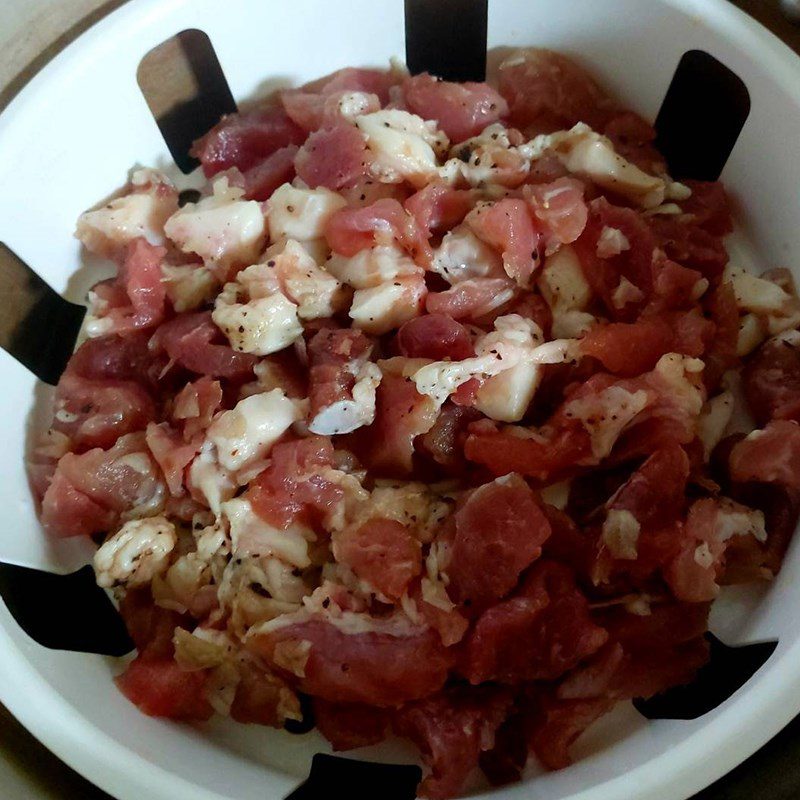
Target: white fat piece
x=515, y=340
x=488, y=159
x=261, y=326
x=208, y=478
x=605, y=415
x=412, y=504
x=316, y=293
x=626, y=292
x=752, y=332
x=506, y=397
x=620, y=534
x=713, y=421
x=403, y=146
x=612, y=242
x=758, y=295
x=462, y=256
x=139, y=214
x=349, y=414
x=734, y=519
x=350, y=105
x=589, y=154
x=253, y=536
x=382, y=308
x=136, y=553
x=247, y=432
x=567, y=292
x=373, y=266
x=254, y=314
x=222, y=229
x=673, y=369
x=188, y=286
x=557, y=494
x=301, y=213
x=562, y=282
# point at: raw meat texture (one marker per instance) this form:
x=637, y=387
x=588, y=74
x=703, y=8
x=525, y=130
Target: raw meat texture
x=382, y=552
x=351, y=230
x=171, y=453
x=662, y=649
x=547, y=91
x=558, y=723
x=631, y=417
x=276, y=169
x=771, y=455
x=654, y=494
x=244, y=140
x=438, y=208
x=633, y=264
x=375, y=667
x=160, y=688
x=333, y=157
x=540, y=633
x=334, y=358
x=461, y=110
x=472, y=299
x=500, y=531
x=507, y=226
x=675, y=286
x=696, y=241
x=191, y=341
x=721, y=355
x=747, y=559
x=560, y=208
x=135, y=298
x=692, y=573
x=506, y=450
x=262, y=698
x=409, y=561
x=444, y=442
x=294, y=487
x=373, y=81
x=629, y=349
x=330, y=100
x=771, y=381
x=709, y=206
x=450, y=623
x=153, y=681
x=95, y=413
x=350, y=725
x=117, y=358
x=435, y=336
x=89, y=492
x=644, y=656
x=401, y=415
x=452, y=729
x=196, y=404
x=312, y=110
x=503, y=763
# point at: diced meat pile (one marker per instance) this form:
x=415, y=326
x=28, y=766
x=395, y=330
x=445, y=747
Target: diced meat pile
x=426, y=414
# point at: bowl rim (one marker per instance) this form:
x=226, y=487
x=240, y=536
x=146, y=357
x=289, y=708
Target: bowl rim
x=742, y=725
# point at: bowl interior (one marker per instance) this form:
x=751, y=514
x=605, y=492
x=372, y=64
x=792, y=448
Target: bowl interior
x=70, y=139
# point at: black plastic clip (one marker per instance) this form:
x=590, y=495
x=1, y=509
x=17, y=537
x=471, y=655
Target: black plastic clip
x=447, y=38
x=186, y=90
x=703, y=113
x=37, y=325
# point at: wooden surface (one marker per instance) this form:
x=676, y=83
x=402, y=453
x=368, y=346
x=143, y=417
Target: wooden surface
x=31, y=33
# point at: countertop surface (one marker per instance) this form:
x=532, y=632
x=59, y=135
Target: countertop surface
x=31, y=33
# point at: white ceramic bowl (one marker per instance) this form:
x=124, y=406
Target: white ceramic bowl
x=69, y=139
